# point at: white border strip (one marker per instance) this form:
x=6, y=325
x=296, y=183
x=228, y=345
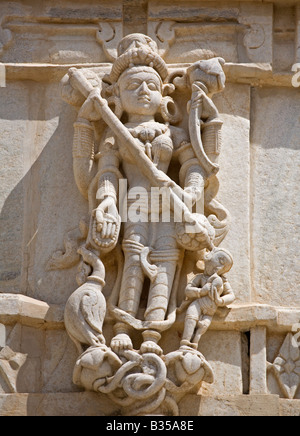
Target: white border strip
x=2, y=76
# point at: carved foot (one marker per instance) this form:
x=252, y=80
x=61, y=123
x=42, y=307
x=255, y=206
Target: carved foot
x=151, y=347
x=121, y=342
x=185, y=344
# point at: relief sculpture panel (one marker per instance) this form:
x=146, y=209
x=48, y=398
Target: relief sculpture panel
x=145, y=217
x=148, y=219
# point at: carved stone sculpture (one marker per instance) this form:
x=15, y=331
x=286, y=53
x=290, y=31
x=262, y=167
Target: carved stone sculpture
x=129, y=134
x=286, y=366
x=211, y=289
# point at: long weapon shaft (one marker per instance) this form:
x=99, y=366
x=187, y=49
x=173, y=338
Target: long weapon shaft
x=157, y=178
x=196, y=140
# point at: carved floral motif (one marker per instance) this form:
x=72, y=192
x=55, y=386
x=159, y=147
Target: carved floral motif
x=286, y=366
x=11, y=361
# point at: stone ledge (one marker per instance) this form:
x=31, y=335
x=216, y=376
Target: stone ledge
x=56, y=404
x=257, y=75
x=239, y=405
x=93, y=404
x=28, y=311
x=254, y=74
x=43, y=72
x=243, y=317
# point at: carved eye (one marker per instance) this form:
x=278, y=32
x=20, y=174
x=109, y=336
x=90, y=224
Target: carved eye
x=132, y=86
x=152, y=86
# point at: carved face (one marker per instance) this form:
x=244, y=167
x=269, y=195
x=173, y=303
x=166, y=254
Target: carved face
x=219, y=262
x=140, y=91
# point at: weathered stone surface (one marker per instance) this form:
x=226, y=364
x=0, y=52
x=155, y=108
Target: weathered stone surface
x=242, y=405
x=58, y=33
x=275, y=181
x=223, y=351
x=58, y=404
x=52, y=339
x=234, y=190
x=91, y=404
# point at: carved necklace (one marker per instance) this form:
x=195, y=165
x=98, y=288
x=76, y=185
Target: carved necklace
x=146, y=133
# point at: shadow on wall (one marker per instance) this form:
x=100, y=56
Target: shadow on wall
x=275, y=132
x=39, y=200
x=37, y=190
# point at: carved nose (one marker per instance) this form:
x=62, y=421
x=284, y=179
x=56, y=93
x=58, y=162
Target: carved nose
x=144, y=88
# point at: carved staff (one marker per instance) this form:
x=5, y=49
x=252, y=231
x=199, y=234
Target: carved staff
x=157, y=177
x=195, y=132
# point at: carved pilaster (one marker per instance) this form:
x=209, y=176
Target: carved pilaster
x=258, y=360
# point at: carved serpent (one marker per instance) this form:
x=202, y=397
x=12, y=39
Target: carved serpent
x=147, y=383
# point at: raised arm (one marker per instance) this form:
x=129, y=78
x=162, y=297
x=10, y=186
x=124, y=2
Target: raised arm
x=196, y=288
x=191, y=175
x=83, y=155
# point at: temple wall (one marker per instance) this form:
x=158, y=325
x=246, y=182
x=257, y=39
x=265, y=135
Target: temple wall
x=259, y=185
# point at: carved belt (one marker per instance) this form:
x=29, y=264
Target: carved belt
x=148, y=255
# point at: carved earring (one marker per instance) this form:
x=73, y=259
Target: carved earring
x=170, y=111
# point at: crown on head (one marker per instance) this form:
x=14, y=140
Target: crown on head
x=137, y=50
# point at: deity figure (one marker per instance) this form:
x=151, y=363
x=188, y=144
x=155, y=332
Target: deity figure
x=130, y=127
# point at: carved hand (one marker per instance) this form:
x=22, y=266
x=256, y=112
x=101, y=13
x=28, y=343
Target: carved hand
x=88, y=110
x=208, y=108
x=192, y=292
x=212, y=292
x=192, y=195
x=217, y=299
x=197, y=99
x=107, y=217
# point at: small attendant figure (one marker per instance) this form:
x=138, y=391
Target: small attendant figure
x=208, y=291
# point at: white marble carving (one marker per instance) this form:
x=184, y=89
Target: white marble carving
x=286, y=366
x=205, y=294
x=108, y=35
x=130, y=132
x=11, y=362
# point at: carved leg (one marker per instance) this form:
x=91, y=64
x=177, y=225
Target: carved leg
x=165, y=255
x=158, y=301
x=132, y=284
x=121, y=341
x=130, y=293
x=159, y=292
x=203, y=325
x=192, y=317
x=189, y=328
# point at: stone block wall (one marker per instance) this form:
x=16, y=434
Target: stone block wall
x=254, y=346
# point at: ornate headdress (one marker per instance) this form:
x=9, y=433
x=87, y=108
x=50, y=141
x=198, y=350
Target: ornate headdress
x=137, y=50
